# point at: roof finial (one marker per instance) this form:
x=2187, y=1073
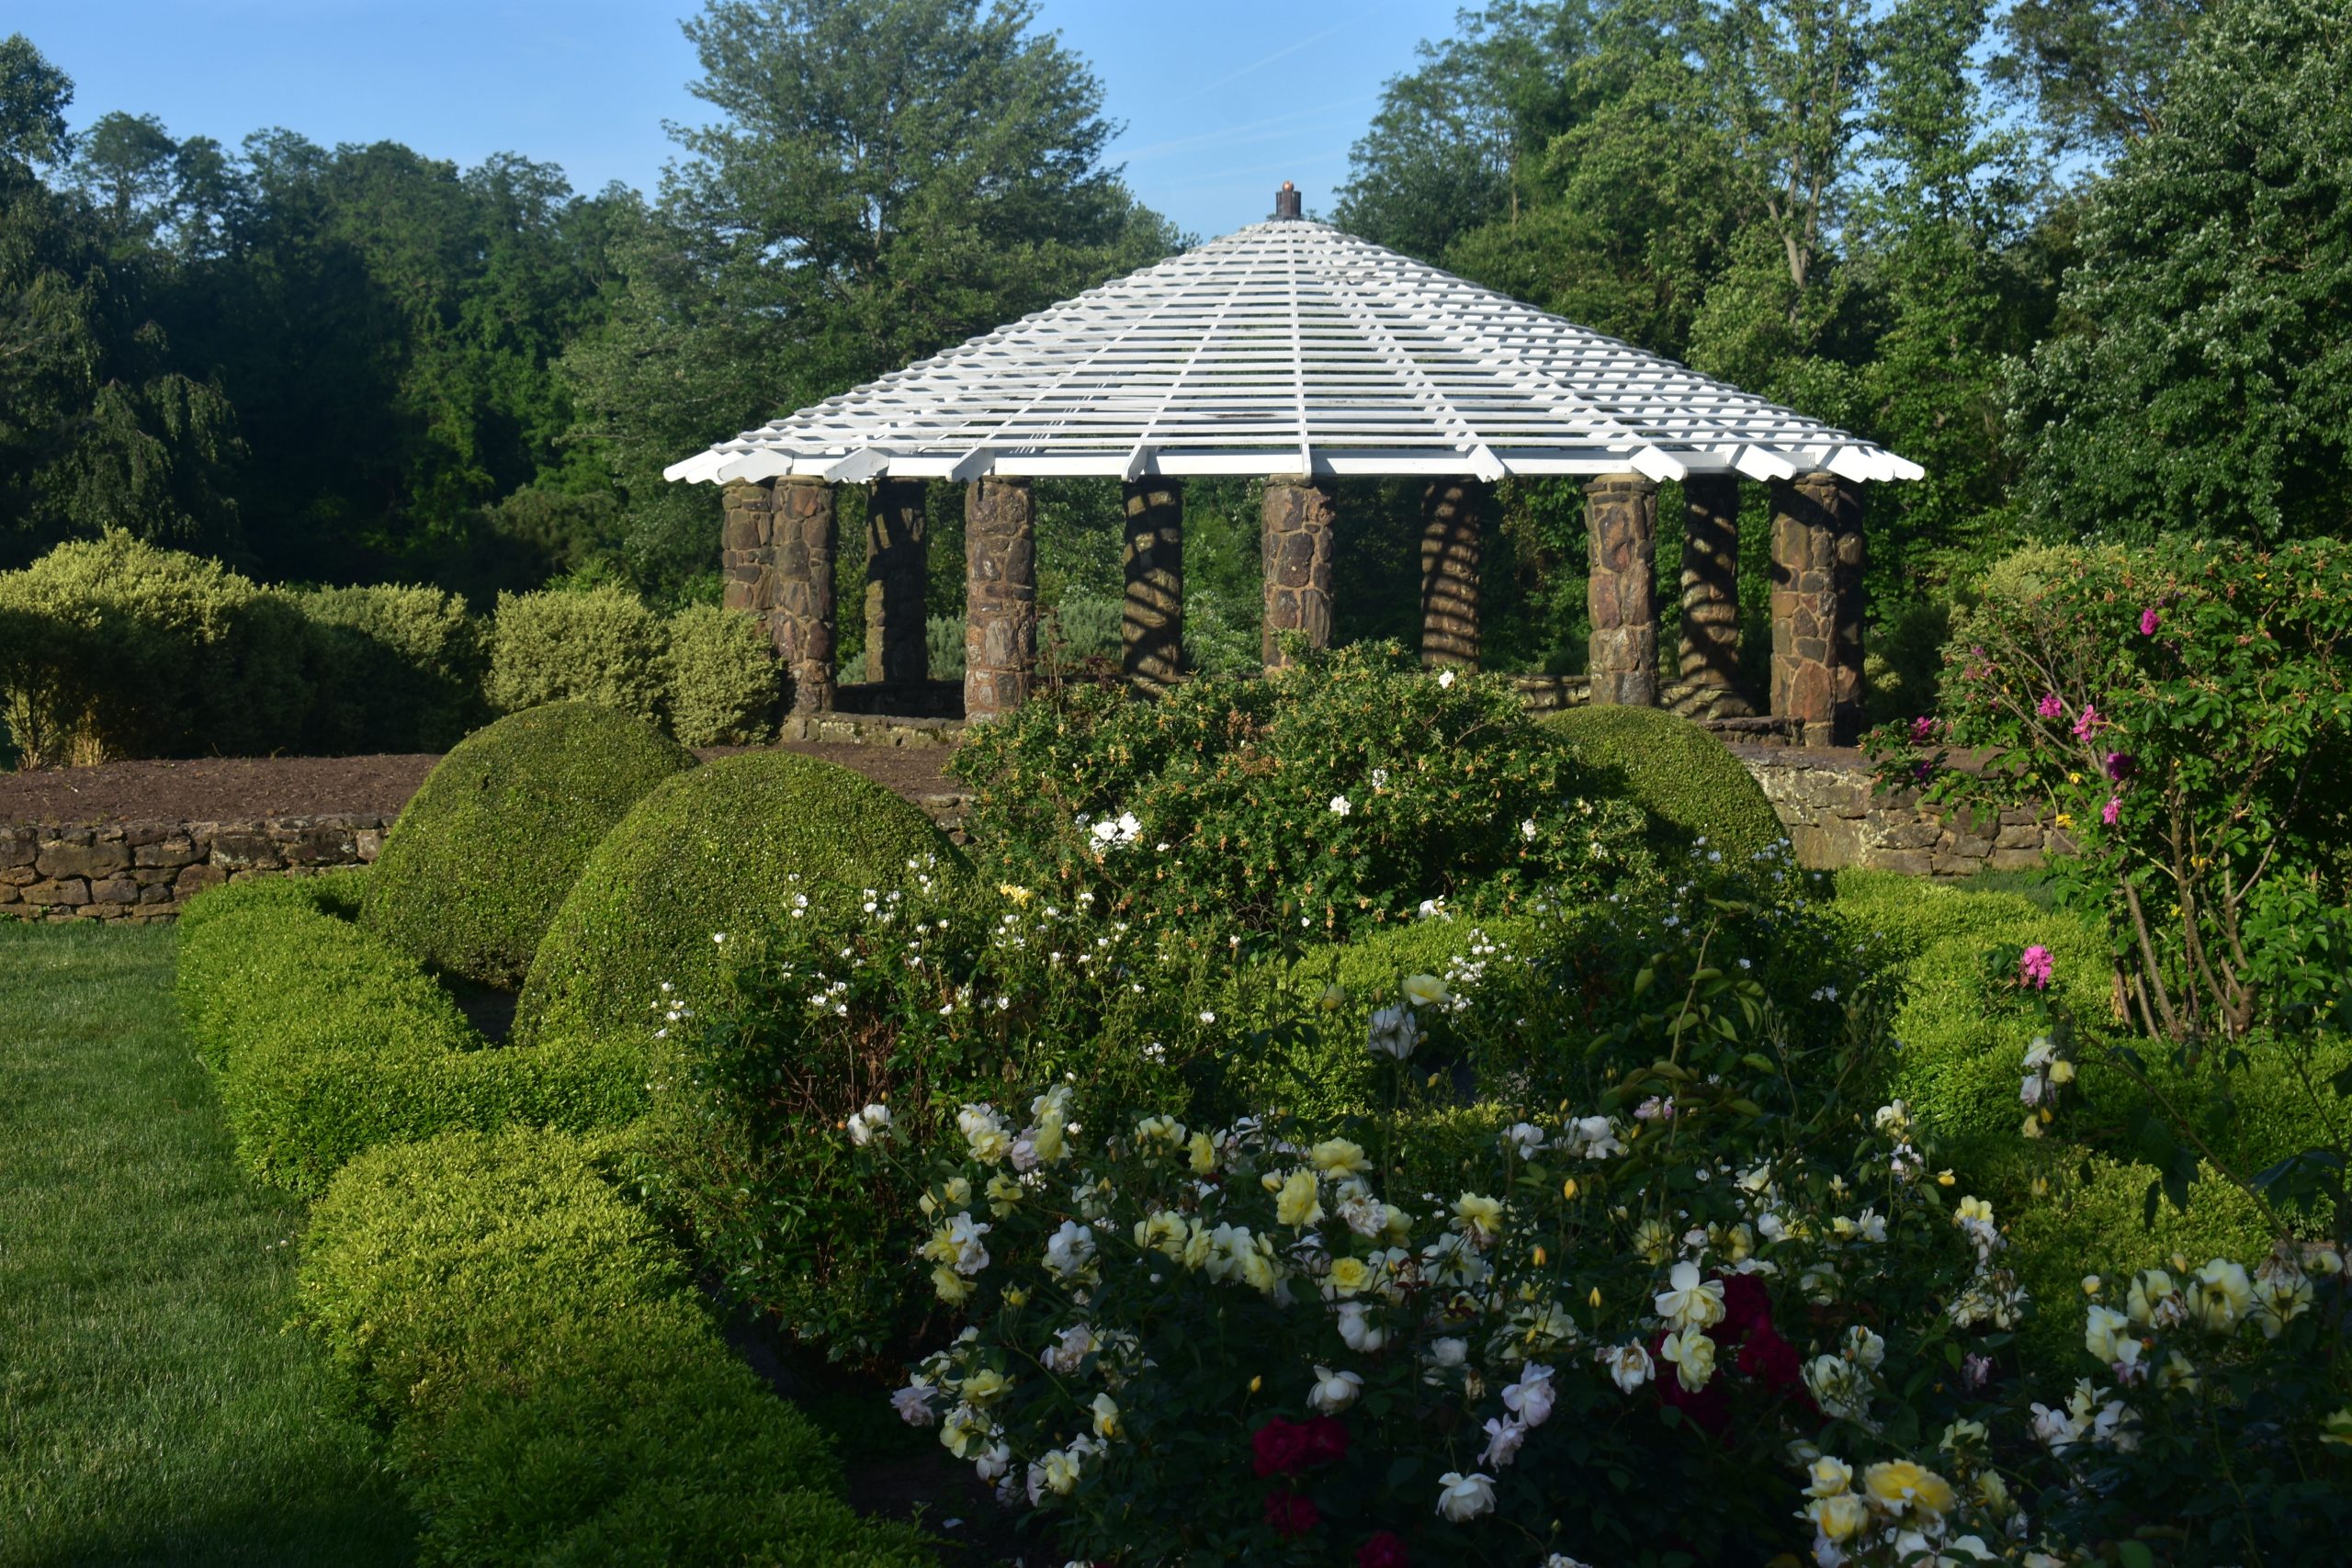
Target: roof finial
x=1286, y=201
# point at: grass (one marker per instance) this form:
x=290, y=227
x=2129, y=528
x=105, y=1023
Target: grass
x=151, y=1408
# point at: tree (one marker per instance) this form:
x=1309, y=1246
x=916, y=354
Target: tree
x=2095, y=69
x=99, y=426
x=2199, y=380
x=1456, y=142
x=886, y=178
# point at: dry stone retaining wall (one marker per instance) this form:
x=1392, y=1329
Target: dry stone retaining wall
x=145, y=871
x=1836, y=818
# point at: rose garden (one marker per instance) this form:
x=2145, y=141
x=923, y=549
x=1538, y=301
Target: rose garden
x=1131, y=1090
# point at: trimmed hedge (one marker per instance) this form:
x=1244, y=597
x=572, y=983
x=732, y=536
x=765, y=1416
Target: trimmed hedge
x=1686, y=779
x=555, y=1392
x=112, y=648
x=601, y=646
x=395, y=669
x=711, y=852
x=326, y=1043
x=483, y=856
x=722, y=680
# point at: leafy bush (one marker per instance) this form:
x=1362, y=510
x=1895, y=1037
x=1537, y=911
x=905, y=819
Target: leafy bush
x=722, y=679
x=326, y=1041
x=555, y=1392
x=943, y=642
x=483, y=856
x=599, y=645
x=2185, y=712
x=111, y=648
x=709, y=852
x=393, y=668
x=1263, y=1343
x=927, y=999
x=1335, y=796
x=1686, y=780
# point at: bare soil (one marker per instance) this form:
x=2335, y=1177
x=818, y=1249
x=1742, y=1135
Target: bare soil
x=230, y=789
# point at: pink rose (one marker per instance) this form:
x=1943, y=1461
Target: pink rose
x=2150, y=619
x=2111, y=811
x=2086, y=723
x=2036, y=968
x=2050, y=706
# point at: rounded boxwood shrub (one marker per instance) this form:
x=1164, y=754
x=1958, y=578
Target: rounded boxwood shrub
x=708, y=852
x=483, y=856
x=1686, y=779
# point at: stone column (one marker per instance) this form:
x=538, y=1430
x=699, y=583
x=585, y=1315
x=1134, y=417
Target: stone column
x=1817, y=607
x=1152, y=627
x=999, y=595
x=800, y=593
x=1621, y=519
x=744, y=541
x=1296, y=535
x=898, y=561
x=1711, y=580
x=1450, y=513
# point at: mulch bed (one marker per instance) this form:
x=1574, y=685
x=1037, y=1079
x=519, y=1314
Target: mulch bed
x=235, y=789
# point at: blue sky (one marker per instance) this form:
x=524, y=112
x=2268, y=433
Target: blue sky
x=1223, y=99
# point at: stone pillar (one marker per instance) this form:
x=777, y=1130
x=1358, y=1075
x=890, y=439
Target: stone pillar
x=897, y=562
x=1152, y=627
x=1621, y=519
x=999, y=595
x=1296, y=535
x=1817, y=607
x=800, y=593
x=1711, y=580
x=744, y=541
x=1450, y=513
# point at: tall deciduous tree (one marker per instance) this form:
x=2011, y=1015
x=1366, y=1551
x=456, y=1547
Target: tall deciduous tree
x=885, y=179
x=2202, y=380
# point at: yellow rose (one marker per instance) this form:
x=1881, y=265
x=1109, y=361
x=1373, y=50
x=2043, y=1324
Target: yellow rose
x=1828, y=1477
x=1349, y=1275
x=984, y=1386
x=1298, y=1204
x=1337, y=1156
x=952, y=1287
x=1106, y=1416
x=1049, y=1141
x=1202, y=1152
x=1481, y=1216
x=1901, y=1486
x=1839, y=1518
x=958, y=1192
x=1424, y=991
x=1004, y=1192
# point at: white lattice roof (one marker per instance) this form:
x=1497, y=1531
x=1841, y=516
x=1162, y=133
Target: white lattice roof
x=1289, y=347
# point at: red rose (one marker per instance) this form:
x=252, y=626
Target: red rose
x=1385, y=1550
x=1278, y=1447
x=1770, y=1359
x=1746, y=1304
x=1325, y=1441
x=1290, y=1515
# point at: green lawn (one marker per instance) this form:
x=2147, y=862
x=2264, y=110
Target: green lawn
x=153, y=1409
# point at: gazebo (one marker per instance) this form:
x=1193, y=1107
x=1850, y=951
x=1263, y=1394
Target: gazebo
x=1294, y=352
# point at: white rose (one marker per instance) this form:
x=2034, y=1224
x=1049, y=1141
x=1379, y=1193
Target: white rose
x=1461, y=1498
x=1503, y=1438
x=913, y=1403
x=1357, y=1332
x=1334, y=1392
x=1530, y=1398
x=1629, y=1366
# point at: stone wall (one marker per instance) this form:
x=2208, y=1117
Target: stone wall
x=1834, y=818
x=144, y=871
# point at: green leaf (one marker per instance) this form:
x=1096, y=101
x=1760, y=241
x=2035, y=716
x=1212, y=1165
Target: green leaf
x=2134, y=1554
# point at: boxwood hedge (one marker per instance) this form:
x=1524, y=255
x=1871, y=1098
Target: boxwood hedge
x=709, y=852
x=326, y=1041
x=1686, y=779
x=555, y=1391
x=483, y=854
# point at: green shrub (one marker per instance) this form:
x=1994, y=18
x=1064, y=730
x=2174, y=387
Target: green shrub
x=600, y=646
x=710, y=852
x=483, y=854
x=723, y=680
x=1333, y=796
x=943, y=638
x=555, y=1391
x=395, y=669
x=1686, y=779
x=112, y=648
x=326, y=1041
